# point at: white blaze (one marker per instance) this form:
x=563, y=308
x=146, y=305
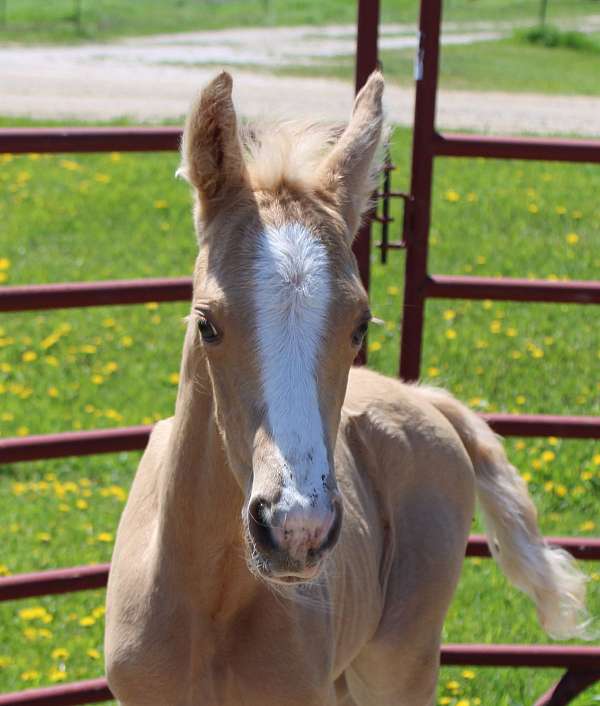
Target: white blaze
x=292, y=291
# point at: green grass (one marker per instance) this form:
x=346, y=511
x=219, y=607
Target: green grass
x=32, y=21
x=87, y=217
x=484, y=66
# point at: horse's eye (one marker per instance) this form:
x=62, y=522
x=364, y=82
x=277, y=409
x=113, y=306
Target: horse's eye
x=359, y=334
x=208, y=332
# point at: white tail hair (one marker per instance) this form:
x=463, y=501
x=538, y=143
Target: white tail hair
x=547, y=574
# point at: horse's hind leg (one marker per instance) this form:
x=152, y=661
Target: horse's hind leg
x=381, y=676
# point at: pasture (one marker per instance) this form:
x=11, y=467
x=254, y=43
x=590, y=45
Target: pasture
x=87, y=217
x=82, y=20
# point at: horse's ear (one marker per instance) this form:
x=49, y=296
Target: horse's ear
x=212, y=159
x=349, y=172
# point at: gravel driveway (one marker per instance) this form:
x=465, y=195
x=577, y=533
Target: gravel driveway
x=154, y=78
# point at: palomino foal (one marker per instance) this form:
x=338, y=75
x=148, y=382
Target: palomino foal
x=295, y=532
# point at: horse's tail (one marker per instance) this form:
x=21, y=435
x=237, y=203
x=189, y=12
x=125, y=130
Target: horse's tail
x=547, y=574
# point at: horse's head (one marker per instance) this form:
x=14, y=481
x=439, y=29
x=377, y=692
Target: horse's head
x=279, y=311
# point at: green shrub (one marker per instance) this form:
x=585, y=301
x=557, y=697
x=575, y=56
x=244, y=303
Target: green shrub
x=553, y=37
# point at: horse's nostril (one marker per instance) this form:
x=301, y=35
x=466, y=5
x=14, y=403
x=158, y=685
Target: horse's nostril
x=335, y=529
x=259, y=524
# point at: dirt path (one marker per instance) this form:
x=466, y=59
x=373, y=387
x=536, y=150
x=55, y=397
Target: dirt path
x=154, y=78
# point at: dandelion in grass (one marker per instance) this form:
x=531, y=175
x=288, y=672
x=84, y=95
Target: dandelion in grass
x=587, y=526
x=452, y=196
x=57, y=675
x=4, y=570
x=174, y=378
x=393, y=291
x=463, y=702
x=449, y=315
x=533, y=208
x=30, y=675
x=577, y=215
x=93, y=653
x=561, y=490
x=537, y=464
x=102, y=178
x=97, y=379
x=87, y=621
x=29, y=356
x=53, y=392
x=374, y=346
x=115, y=156
x=496, y=326
x=151, y=306
x=127, y=341
x=161, y=203
x=471, y=197
x=60, y=653
x=481, y=259
x=444, y=700
x=70, y=165
x=520, y=399
x=451, y=334
x=433, y=372
x=453, y=685
x=22, y=431
x=105, y=537
x=572, y=238
x=548, y=456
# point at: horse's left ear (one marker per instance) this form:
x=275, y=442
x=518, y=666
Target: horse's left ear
x=212, y=159
x=349, y=172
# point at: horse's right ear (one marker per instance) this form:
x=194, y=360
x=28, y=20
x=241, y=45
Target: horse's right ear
x=212, y=159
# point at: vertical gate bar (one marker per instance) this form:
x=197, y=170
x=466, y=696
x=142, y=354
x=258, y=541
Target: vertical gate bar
x=366, y=62
x=426, y=74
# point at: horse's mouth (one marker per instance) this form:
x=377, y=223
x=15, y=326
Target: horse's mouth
x=308, y=574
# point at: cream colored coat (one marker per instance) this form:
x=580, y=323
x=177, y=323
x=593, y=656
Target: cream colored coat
x=187, y=623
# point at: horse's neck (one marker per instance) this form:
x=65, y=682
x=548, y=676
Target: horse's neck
x=200, y=501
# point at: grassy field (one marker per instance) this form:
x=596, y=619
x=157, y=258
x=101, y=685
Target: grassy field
x=483, y=66
x=61, y=21
x=87, y=217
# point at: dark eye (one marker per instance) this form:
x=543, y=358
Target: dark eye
x=359, y=334
x=208, y=332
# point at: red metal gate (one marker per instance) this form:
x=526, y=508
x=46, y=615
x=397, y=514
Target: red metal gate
x=581, y=663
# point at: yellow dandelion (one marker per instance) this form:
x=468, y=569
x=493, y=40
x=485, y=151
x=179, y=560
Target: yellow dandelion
x=433, y=372
x=449, y=315
x=51, y=360
x=463, y=702
x=471, y=197
x=520, y=399
x=480, y=344
x=537, y=464
x=70, y=165
x=561, y=490
x=115, y=156
x=572, y=238
x=87, y=621
x=5, y=661
x=453, y=685
x=375, y=346
x=4, y=570
x=537, y=353
x=526, y=476
x=151, y=306
x=53, y=391
x=102, y=178
x=393, y=290
x=81, y=504
x=553, y=441
x=444, y=700
x=174, y=377
x=127, y=341
x=511, y=332
x=548, y=456
x=587, y=526
x=4, y=263
x=88, y=348
x=3, y=276
x=577, y=215
x=105, y=537
x=548, y=486
x=29, y=356
x=109, y=323
x=451, y=334
x=560, y=210
x=161, y=203
x=60, y=653
x=516, y=355
x=56, y=675
x=33, y=613
x=93, y=653
x=520, y=445
x=533, y=208
x=43, y=536
x=481, y=259
x=97, y=379
x=22, y=431
x=496, y=326
x=452, y=196
x=596, y=459
x=30, y=675
x=99, y=611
